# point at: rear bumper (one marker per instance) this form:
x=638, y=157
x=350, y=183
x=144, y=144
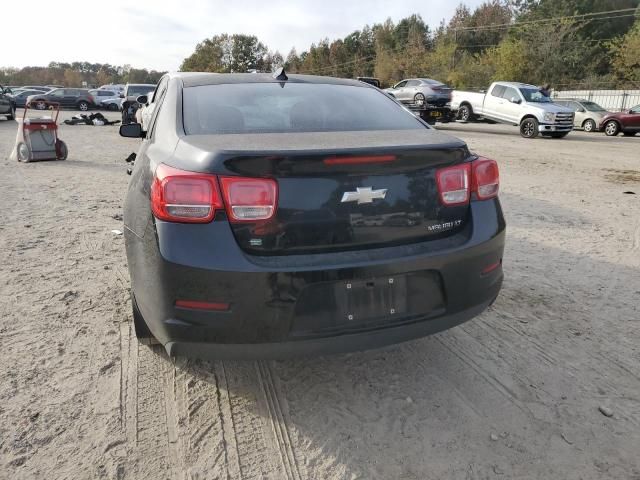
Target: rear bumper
x=326, y=345
x=289, y=305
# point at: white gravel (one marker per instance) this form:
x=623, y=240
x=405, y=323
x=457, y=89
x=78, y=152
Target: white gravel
x=514, y=393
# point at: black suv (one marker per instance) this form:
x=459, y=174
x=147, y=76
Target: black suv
x=79, y=98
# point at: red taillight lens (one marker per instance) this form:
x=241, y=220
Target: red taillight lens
x=182, y=196
x=453, y=184
x=456, y=183
x=486, y=178
x=249, y=199
x=196, y=305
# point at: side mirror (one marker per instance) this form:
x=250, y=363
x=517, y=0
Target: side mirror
x=515, y=100
x=131, y=130
x=122, y=95
x=143, y=100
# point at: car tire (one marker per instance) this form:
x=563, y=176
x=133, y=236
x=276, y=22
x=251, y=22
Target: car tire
x=629, y=134
x=142, y=332
x=611, y=128
x=83, y=106
x=113, y=107
x=529, y=128
x=12, y=113
x=419, y=99
x=22, y=152
x=465, y=113
x=62, y=150
x=589, y=126
x=40, y=105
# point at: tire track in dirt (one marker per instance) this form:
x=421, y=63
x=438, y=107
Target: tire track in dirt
x=278, y=418
x=154, y=451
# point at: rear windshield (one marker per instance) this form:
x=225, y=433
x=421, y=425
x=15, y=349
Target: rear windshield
x=294, y=107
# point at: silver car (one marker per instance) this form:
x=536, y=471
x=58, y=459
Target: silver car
x=588, y=114
x=420, y=91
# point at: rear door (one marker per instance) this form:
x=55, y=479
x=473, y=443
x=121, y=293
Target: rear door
x=493, y=102
x=70, y=97
x=408, y=92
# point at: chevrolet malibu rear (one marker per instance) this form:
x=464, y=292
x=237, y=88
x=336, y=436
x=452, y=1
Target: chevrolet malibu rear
x=276, y=217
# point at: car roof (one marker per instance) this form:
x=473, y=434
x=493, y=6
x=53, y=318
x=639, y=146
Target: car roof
x=516, y=84
x=195, y=79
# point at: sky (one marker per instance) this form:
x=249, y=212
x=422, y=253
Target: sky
x=158, y=34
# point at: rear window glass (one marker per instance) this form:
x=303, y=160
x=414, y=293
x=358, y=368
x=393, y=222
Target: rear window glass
x=294, y=107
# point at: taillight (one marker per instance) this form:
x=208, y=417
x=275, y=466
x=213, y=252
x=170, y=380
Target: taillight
x=182, y=196
x=486, y=178
x=453, y=184
x=249, y=199
x=456, y=183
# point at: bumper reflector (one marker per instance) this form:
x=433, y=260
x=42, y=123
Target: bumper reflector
x=491, y=267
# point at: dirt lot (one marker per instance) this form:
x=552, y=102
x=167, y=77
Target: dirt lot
x=515, y=393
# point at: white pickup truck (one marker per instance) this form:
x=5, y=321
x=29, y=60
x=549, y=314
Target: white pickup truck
x=517, y=104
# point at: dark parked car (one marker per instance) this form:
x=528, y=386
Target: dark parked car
x=7, y=105
x=236, y=169
x=79, y=98
x=626, y=122
x=20, y=98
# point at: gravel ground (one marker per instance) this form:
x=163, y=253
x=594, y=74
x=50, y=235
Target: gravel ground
x=545, y=384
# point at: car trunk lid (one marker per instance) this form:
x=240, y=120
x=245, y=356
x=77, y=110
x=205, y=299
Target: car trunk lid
x=339, y=191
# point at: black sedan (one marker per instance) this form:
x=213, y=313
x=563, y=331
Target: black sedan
x=255, y=219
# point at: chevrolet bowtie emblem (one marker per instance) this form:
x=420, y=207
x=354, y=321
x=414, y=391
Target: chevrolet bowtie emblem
x=363, y=195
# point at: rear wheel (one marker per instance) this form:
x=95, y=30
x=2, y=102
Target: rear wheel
x=143, y=334
x=62, y=150
x=41, y=105
x=23, y=152
x=419, y=99
x=611, y=128
x=529, y=128
x=113, y=107
x=465, y=113
x=83, y=106
x=589, y=125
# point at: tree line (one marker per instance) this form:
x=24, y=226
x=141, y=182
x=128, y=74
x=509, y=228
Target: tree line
x=77, y=74
x=575, y=43
x=568, y=43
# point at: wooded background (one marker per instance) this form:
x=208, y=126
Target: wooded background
x=568, y=43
